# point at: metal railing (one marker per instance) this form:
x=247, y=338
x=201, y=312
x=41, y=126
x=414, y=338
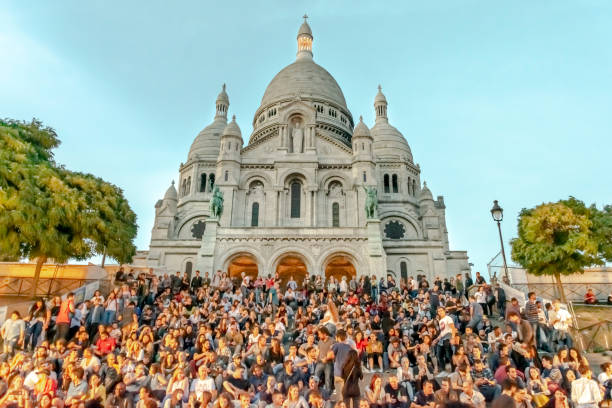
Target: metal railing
x=20, y=286
x=594, y=337
x=573, y=291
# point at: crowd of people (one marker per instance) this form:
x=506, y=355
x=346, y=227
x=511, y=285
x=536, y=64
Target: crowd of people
x=212, y=342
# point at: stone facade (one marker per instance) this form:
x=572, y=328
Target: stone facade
x=294, y=196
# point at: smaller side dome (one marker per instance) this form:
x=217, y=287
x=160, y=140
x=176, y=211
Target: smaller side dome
x=361, y=130
x=171, y=193
x=425, y=194
x=232, y=129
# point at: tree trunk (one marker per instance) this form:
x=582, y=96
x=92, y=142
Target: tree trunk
x=103, y=258
x=560, y=288
x=40, y=261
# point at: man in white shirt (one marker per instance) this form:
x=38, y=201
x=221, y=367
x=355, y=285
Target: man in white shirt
x=560, y=320
x=447, y=327
x=203, y=383
x=585, y=391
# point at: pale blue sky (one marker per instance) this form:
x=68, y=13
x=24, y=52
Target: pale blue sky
x=498, y=100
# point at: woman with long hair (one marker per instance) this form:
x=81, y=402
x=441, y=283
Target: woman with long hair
x=537, y=387
x=294, y=399
x=576, y=360
x=352, y=374
x=38, y=319
x=375, y=393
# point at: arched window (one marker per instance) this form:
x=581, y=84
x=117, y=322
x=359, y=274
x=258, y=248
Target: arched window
x=183, y=187
x=188, y=268
x=365, y=177
x=394, y=182
x=335, y=215
x=203, y=183
x=296, y=191
x=255, y=215
x=409, y=187
x=211, y=181
x=403, y=270
x=413, y=187
x=386, y=183
x=226, y=175
x=188, y=187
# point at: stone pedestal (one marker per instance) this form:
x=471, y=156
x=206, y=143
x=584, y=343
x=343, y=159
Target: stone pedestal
x=377, y=257
x=206, y=253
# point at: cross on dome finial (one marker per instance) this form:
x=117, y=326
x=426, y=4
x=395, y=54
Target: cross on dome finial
x=304, y=40
x=305, y=17
x=233, y=118
x=379, y=88
x=360, y=118
x=172, y=182
x=223, y=86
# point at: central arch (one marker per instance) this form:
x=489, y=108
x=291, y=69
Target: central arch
x=242, y=263
x=291, y=265
x=339, y=266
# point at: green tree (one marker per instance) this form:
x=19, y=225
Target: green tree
x=563, y=238
x=47, y=211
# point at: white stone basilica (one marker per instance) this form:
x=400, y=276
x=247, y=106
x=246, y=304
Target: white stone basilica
x=295, y=195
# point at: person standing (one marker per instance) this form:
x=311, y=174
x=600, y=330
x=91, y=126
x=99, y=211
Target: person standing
x=351, y=375
x=560, y=320
x=468, y=283
x=447, y=327
x=196, y=282
x=62, y=323
x=38, y=319
x=13, y=332
x=531, y=313
x=585, y=391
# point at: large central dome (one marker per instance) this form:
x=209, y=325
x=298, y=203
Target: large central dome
x=306, y=79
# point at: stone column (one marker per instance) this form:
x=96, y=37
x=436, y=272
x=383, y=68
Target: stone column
x=206, y=253
x=377, y=258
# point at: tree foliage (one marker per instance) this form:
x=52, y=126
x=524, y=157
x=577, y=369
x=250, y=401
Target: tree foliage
x=47, y=211
x=563, y=238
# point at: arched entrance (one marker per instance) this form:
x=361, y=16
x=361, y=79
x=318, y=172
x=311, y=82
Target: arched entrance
x=339, y=266
x=242, y=263
x=289, y=266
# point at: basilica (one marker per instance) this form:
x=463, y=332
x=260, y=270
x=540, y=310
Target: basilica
x=293, y=200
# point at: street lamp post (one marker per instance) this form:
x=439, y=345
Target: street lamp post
x=498, y=215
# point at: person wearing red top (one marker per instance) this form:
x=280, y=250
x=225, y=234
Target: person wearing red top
x=105, y=344
x=360, y=343
x=589, y=297
x=62, y=323
x=353, y=300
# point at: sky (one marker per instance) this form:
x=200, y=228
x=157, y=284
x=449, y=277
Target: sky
x=498, y=100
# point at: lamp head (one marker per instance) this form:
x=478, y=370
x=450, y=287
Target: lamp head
x=497, y=212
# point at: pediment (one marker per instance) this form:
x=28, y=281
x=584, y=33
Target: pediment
x=327, y=146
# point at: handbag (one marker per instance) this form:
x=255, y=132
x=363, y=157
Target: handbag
x=540, y=400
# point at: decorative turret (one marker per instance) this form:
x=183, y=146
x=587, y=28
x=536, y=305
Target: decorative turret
x=380, y=106
x=231, y=141
x=206, y=144
x=362, y=141
x=389, y=143
x=363, y=156
x=425, y=195
x=228, y=163
x=222, y=104
x=171, y=193
x=304, y=40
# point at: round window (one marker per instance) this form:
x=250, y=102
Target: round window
x=395, y=230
